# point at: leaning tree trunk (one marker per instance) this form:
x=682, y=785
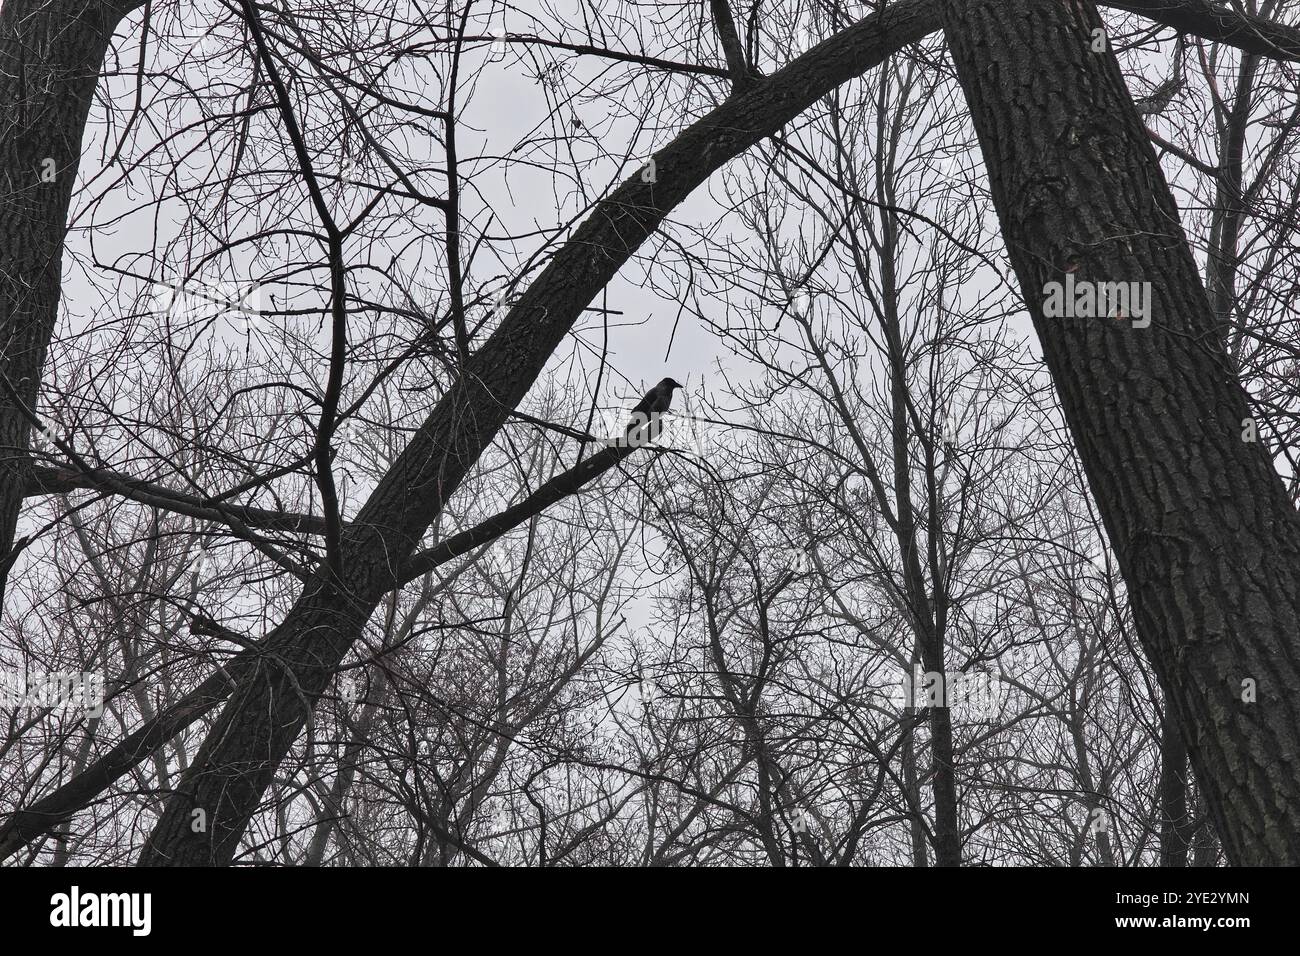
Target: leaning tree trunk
x=51, y=52
x=1207, y=540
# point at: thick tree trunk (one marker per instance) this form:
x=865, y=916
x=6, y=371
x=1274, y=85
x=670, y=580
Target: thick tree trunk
x=51, y=52
x=1208, y=542
x=912, y=788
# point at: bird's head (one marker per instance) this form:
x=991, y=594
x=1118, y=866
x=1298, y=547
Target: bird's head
x=670, y=384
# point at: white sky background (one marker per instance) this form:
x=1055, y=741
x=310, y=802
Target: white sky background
x=506, y=106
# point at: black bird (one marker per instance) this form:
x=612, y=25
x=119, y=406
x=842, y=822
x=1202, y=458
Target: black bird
x=654, y=403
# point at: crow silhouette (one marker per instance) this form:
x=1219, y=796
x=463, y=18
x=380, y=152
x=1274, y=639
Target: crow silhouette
x=654, y=403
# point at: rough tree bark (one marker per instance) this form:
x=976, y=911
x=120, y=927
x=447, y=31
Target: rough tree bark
x=1207, y=541
x=51, y=52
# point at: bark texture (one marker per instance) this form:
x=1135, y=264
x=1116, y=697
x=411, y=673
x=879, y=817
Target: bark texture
x=51, y=52
x=1207, y=540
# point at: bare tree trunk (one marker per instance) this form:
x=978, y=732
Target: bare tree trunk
x=1208, y=542
x=928, y=605
x=51, y=52
x=1229, y=203
x=912, y=787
